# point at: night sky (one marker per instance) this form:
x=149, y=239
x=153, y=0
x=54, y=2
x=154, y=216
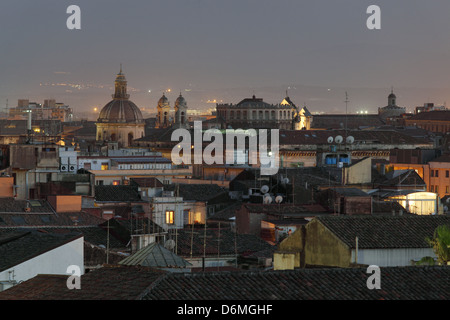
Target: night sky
x=227, y=50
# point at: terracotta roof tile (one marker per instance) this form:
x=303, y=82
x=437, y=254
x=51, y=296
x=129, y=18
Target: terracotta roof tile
x=124, y=282
x=408, y=231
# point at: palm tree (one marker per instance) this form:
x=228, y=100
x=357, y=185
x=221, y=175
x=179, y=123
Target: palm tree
x=441, y=244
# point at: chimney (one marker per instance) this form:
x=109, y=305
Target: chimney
x=29, y=121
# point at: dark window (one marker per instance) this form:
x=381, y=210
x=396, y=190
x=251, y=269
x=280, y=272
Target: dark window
x=18, y=220
x=46, y=219
x=437, y=173
x=447, y=174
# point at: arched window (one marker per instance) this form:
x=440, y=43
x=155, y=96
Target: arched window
x=130, y=139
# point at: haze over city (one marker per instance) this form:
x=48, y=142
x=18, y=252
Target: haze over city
x=226, y=51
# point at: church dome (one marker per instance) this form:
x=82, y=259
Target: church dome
x=163, y=102
x=119, y=111
x=180, y=102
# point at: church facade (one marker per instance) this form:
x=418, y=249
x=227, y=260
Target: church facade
x=167, y=118
x=257, y=114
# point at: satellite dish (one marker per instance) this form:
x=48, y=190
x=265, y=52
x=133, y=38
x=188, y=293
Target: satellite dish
x=169, y=244
x=330, y=139
x=267, y=199
x=278, y=199
x=350, y=139
x=264, y=189
x=339, y=139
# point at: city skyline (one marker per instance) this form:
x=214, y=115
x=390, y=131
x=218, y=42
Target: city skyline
x=226, y=51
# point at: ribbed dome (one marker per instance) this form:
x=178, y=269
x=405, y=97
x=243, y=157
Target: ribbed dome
x=120, y=111
x=392, y=96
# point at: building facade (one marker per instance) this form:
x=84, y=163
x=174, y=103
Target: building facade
x=254, y=113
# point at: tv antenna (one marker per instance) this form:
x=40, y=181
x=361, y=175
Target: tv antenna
x=264, y=189
x=267, y=199
x=346, y=107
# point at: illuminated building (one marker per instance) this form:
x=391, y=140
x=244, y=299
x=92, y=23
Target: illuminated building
x=120, y=120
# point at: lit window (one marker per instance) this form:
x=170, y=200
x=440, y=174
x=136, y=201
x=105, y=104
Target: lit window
x=447, y=189
x=116, y=182
x=169, y=217
x=105, y=166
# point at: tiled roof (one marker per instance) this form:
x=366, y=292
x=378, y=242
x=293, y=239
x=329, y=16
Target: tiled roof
x=221, y=241
x=126, y=283
x=226, y=214
x=404, y=178
x=35, y=220
x=338, y=121
x=117, y=194
x=14, y=205
x=197, y=192
x=350, y=192
x=438, y=115
x=132, y=226
x=19, y=246
x=148, y=182
x=106, y=283
x=284, y=209
x=408, y=231
x=306, y=284
x=443, y=158
x=311, y=176
x=94, y=235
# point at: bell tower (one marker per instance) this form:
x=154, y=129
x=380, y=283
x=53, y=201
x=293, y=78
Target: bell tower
x=164, y=119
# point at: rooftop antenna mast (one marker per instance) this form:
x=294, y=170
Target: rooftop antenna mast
x=346, y=109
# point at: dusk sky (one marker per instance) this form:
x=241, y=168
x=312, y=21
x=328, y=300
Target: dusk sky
x=227, y=50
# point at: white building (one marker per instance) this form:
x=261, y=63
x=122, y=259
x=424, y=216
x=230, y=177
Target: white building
x=27, y=254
